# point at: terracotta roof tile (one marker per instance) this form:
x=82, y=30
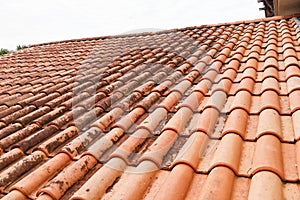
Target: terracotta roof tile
x=35, y=180
x=208, y=112
x=264, y=184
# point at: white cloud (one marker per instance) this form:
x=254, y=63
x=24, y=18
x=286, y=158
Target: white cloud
x=35, y=21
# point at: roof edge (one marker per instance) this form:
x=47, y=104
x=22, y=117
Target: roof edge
x=169, y=30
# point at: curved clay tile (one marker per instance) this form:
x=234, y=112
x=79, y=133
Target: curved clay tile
x=268, y=156
x=15, y=194
x=293, y=98
x=266, y=184
x=192, y=151
x=36, y=179
x=231, y=125
x=270, y=99
x=292, y=71
x=57, y=186
x=269, y=123
x=270, y=84
x=296, y=125
x=50, y=145
x=293, y=84
x=177, y=184
x=228, y=152
x=104, y=177
x=219, y=184
x=160, y=147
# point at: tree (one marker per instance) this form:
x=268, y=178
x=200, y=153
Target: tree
x=19, y=47
x=4, y=51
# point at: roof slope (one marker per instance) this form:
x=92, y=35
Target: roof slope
x=208, y=112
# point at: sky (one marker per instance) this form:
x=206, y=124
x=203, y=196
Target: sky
x=35, y=21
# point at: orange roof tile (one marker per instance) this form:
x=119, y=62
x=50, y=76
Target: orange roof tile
x=207, y=112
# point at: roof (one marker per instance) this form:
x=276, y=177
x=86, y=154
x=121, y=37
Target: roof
x=208, y=112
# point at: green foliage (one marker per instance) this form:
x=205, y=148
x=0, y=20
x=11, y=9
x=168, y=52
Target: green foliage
x=4, y=51
x=19, y=47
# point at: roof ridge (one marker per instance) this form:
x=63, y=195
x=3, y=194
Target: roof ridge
x=169, y=30
x=107, y=37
